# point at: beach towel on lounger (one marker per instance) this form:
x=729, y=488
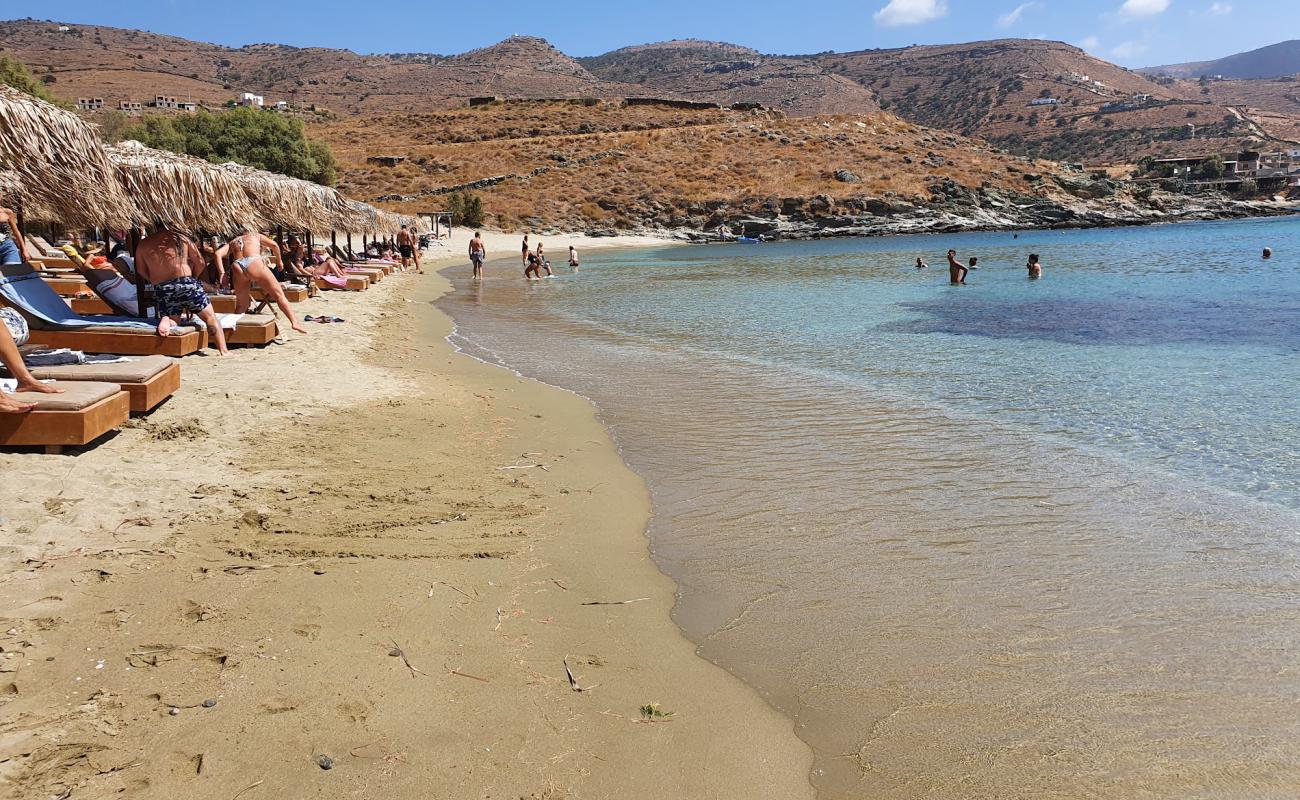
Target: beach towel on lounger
x=23, y=288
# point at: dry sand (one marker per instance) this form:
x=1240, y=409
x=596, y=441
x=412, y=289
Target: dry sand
x=362, y=546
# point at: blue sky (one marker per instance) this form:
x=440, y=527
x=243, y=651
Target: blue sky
x=1128, y=32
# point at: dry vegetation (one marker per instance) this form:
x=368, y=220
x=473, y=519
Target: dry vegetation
x=624, y=167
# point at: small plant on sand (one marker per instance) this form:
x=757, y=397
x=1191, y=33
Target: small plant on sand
x=650, y=712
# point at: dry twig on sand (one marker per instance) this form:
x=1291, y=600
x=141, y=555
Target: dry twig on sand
x=400, y=653
x=614, y=602
x=240, y=569
x=246, y=788
x=573, y=682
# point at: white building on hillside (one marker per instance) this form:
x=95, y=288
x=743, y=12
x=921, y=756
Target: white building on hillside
x=249, y=99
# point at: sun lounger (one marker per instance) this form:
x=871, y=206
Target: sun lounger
x=353, y=283
x=375, y=274
x=147, y=380
x=251, y=329
x=83, y=413
x=54, y=324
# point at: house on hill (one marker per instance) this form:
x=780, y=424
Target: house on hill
x=90, y=103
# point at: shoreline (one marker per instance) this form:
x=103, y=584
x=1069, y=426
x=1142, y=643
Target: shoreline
x=360, y=572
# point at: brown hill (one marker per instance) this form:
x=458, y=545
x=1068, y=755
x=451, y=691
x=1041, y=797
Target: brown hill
x=1104, y=113
x=545, y=166
x=727, y=73
x=1272, y=61
x=118, y=64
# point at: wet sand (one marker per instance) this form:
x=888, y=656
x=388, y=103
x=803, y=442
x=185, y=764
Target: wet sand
x=360, y=546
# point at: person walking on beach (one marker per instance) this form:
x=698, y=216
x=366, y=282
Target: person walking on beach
x=573, y=257
x=1035, y=268
x=956, y=270
x=544, y=262
x=477, y=254
x=406, y=247
x=169, y=261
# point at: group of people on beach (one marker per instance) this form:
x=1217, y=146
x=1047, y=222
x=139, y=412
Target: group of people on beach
x=534, y=258
x=958, y=271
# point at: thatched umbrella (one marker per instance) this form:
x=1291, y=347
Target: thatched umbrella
x=182, y=191
x=60, y=163
x=290, y=202
x=13, y=193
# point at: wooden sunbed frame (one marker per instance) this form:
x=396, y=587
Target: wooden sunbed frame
x=355, y=283
x=121, y=342
x=55, y=430
x=251, y=334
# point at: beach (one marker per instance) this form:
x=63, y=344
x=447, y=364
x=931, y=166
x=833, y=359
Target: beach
x=355, y=563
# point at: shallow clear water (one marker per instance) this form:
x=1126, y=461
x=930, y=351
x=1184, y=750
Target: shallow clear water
x=1013, y=539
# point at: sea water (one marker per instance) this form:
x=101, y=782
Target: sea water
x=1009, y=539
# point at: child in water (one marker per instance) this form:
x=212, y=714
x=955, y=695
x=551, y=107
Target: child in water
x=1035, y=268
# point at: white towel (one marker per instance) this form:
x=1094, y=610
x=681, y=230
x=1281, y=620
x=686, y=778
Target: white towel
x=229, y=321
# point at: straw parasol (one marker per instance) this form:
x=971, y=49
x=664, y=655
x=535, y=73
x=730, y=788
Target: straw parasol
x=291, y=202
x=60, y=163
x=182, y=191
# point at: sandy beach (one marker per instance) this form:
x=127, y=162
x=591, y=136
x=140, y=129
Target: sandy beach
x=359, y=563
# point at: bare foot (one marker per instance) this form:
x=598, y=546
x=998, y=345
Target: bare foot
x=10, y=406
x=298, y=328
x=38, y=387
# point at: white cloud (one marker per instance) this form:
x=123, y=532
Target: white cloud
x=911, y=12
x=1218, y=10
x=1013, y=16
x=1143, y=8
x=1090, y=43
x=1127, y=50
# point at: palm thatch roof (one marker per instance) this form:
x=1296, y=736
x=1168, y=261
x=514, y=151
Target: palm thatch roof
x=291, y=202
x=13, y=193
x=182, y=191
x=60, y=163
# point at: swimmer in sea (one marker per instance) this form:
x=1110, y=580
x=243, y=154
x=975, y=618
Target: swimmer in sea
x=920, y=263
x=956, y=270
x=1035, y=268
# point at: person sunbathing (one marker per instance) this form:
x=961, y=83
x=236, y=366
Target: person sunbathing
x=105, y=281
x=11, y=323
x=248, y=265
x=169, y=261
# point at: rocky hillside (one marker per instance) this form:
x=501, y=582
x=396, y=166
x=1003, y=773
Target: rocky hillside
x=716, y=71
x=1272, y=61
x=996, y=90
x=544, y=166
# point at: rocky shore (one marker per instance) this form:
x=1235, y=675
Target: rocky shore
x=1076, y=202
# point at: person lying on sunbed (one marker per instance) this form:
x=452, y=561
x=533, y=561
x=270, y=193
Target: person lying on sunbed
x=323, y=265
x=104, y=281
x=248, y=265
x=169, y=261
x=13, y=332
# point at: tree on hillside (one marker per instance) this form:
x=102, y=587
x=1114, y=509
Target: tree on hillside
x=248, y=136
x=15, y=73
x=466, y=209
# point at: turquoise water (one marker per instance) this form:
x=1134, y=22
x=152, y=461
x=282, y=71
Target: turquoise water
x=1015, y=538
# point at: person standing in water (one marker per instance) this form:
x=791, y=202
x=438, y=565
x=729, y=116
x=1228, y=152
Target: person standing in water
x=1268, y=253
x=573, y=257
x=525, y=250
x=1035, y=268
x=531, y=263
x=477, y=255
x=920, y=263
x=956, y=270
x=543, y=261
x=973, y=261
